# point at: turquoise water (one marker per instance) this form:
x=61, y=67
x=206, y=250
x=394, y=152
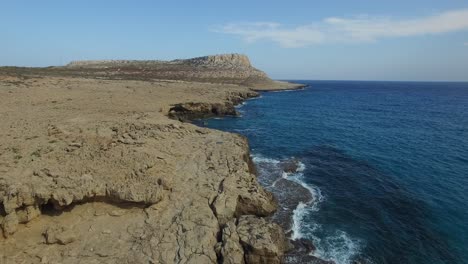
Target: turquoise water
x=389, y=161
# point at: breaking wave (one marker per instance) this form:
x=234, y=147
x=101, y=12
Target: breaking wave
x=337, y=246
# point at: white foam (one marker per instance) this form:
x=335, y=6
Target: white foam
x=302, y=209
x=298, y=215
x=240, y=105
x=275, y=182
x=338, y=247
x=257, y=158
x=301, y=167
x=298, y=177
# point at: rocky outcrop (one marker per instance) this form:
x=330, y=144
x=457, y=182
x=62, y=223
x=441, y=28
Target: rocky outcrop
x=59, y=235
x=225, y=68
x=191, y=110
x=229, y=249
x=263, y=242
x=138, y=164
x=301, y=252
x=252, y=240
x=93, y=171
x=223, y=60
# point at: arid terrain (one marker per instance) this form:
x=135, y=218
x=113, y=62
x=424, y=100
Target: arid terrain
x=97, y=167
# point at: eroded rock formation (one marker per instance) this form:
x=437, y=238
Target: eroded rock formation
x=188, y=191
x=93, y=171
x=225, y=68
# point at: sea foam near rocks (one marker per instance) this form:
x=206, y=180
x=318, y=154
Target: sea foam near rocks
x=338, y=247
x=285, y=179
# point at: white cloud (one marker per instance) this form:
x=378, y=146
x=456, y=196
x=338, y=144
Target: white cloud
x=358, y=29
x=296, y=37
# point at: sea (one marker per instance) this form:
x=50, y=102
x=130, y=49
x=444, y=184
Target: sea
x=386, y=162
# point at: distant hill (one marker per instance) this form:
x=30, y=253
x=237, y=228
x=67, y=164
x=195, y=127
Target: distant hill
x=225, y=68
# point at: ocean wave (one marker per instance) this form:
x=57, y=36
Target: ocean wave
x=240, y=105
x=257, y=158
x=298, y=221
x=298, y=177
x=338, y=246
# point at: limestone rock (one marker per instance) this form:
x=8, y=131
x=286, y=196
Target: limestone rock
x=231, y=249
x=256, y=201
x=119, y=212
x=59, y=235
x=223, y=59
x=301, y=247
x=29, y=213
x=10, y=224
x=301, y=252
x=192, y=110
x=263, y=242
x=223, y=68
x=97, y=158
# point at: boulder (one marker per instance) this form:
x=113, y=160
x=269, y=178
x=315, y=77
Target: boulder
x=29, y=213
x=10, y=224
x=59, y=235
x=263, y=242
x=290, y=166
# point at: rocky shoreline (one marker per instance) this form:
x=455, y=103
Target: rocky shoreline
x=288, y=194
x=85, y=160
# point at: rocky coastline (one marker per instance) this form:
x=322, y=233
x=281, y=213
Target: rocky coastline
x=86, y=159
x=287, y=194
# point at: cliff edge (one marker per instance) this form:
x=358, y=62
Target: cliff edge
x=92, y=170
x=224, y=68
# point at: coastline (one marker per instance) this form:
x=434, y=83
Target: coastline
x=280, y=178
x=189, y=111
x=279, y=86
x=37, y=192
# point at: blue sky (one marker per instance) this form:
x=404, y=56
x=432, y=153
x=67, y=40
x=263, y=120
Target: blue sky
x=340, y=40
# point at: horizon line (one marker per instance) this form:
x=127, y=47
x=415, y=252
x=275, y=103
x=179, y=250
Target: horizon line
x=373, y=80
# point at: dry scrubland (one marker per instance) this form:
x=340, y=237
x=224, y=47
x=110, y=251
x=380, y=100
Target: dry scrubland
x=95, y=166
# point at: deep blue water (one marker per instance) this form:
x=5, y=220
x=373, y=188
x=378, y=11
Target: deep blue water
x=389, y=158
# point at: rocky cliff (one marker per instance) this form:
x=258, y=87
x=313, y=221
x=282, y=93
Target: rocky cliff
x=226, y=68
x=93, y=171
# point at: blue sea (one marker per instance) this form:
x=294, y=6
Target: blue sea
x=387, y=163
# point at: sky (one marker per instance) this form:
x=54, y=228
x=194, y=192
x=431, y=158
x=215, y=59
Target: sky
x=310, y=40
